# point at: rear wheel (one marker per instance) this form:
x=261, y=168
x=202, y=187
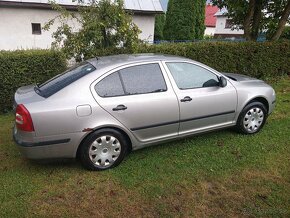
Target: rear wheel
x=252, y=118
x=103, y=149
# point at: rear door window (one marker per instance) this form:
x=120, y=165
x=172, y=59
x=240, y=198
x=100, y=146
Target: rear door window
x=140, y=79
x=60, y=81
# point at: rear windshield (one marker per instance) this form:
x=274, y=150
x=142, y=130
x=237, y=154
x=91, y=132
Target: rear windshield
x=60, y=81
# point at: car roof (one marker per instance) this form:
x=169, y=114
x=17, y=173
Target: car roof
x=123, y=59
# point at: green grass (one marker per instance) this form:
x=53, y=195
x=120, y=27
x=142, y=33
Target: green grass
x=221, y=173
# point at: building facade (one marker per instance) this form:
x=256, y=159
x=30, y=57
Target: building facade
x=210, y=19
x=224, y=27
x=21, y=21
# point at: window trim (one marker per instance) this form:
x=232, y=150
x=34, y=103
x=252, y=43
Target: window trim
x=216, y=73
x=34, y=32
x=229, y=23
x=117, y=70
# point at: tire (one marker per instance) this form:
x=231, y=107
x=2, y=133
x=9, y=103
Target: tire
x=252, y=118
x=103, y=149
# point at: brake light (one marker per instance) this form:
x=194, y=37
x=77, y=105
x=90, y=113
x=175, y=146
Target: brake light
x=23, y=119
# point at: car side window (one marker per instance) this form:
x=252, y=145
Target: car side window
x=140, y=79
x=190, y=76
x=110, y=86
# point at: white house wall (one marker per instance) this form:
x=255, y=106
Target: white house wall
x=220, y=27
x=146, y=24
x=209, y=31
x=16, y=30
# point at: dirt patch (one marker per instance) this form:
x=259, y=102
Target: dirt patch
x=241, y=195
x=80, y=198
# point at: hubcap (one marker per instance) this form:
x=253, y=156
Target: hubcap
x=105, y=150
x=253, y=119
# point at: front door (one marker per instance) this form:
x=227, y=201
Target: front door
x=138, y=96
x=204, y=105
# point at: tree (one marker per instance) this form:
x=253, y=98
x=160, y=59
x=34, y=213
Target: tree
x=159, y=26
x=256, y=16
x=279, y=12
x=199, y=13
x=104, y=24
x=184, y=20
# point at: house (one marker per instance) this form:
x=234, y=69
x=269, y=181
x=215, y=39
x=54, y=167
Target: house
x=210, y=19
x=224, y=26
x=21, y=21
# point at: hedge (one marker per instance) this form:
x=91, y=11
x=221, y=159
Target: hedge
x=262, y=60
x=258, y=59
x=19, y=68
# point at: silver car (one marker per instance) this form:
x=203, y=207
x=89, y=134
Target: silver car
x=105, y=107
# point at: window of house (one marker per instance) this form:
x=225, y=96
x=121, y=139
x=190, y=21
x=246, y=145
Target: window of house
x=141, y=79
x=36, y=28
x=229, y=24
x=190, y=76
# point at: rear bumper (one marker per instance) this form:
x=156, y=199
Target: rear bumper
x=43, y=143
x=46, y=148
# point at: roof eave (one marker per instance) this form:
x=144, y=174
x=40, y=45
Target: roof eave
x=9, y=4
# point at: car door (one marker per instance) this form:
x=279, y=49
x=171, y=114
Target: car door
x=204, y=104
x=140, y=97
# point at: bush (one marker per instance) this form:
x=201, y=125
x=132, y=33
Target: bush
x=19, y=68
x=286, y=33
x=262, y=60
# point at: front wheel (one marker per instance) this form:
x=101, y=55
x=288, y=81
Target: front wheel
x=103, y=149
x=252, y=118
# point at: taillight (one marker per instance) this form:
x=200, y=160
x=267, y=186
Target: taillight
x=23, y=119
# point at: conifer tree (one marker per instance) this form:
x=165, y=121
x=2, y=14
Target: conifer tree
x=159, y=26
x=184, y=20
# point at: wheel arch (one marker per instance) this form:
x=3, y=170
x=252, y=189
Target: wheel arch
x=106, y=127
x=260, y=99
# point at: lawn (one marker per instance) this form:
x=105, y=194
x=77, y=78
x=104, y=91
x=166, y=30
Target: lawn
x=218, y=174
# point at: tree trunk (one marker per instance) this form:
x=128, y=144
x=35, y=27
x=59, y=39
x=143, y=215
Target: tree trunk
x=257, y=16
x=248, y=19
x=282, y=22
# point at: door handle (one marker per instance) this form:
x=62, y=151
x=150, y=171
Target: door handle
x=186, y=98
x=120, y=107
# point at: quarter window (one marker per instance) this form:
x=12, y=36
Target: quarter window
x=110, y=86
x=141, y=79
x=190, y=76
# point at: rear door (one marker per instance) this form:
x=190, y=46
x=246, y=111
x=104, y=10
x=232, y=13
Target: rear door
x=204, y=105
x=141, y=98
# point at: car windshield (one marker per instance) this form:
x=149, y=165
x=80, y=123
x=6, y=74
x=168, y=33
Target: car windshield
x=60, y=81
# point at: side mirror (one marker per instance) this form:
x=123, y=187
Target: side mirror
x=223, y=82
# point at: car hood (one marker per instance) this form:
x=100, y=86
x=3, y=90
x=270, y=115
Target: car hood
x=241, y=78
